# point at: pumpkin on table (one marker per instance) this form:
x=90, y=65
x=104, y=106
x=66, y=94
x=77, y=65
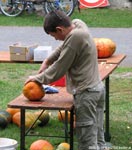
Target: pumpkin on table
x=33, y=91
x=41, y=145
x=105, y=47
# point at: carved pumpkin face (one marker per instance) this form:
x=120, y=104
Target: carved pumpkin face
x=33, y=91
x=105, y=47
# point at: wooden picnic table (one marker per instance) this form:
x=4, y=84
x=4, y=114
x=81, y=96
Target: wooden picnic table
x=115, y=59
x=63, y=100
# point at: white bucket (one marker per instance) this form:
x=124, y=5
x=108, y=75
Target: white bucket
x=8, y=144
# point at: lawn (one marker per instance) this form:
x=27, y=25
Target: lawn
x=98, y=17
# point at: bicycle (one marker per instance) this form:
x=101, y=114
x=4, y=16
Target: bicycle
x=13, y=8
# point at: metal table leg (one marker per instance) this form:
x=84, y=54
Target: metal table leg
x=71, y=128
x=22, y=140
x=107, y=133
x=66, y=125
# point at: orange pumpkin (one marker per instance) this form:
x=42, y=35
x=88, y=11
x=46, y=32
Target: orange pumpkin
x=61, y=116
x=105, y=47
x=29, y=119
x=33, y=91
x=12, y=111
x=41, y=145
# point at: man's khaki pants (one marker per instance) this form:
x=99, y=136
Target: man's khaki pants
x=89, y=111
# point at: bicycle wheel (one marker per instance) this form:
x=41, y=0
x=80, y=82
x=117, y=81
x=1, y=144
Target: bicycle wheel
x=12, y=8
x=66, y=6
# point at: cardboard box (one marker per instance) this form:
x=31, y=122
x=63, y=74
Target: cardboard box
x=42, y=52
x=19, y=52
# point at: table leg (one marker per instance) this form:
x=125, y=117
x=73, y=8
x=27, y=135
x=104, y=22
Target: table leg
x=71, y=128
x=22, y=140
x=66, y=125
x=107, y=133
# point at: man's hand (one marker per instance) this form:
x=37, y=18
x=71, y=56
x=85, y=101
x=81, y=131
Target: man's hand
x=31, y=78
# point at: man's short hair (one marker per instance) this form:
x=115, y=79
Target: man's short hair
x=54, y=19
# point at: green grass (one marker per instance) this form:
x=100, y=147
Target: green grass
x=105, y=17
x=11, y=83
x=120, y=107
x=23, y=20
x=97, y=17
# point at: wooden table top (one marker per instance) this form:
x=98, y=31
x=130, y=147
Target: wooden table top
x=61, y=100
x=56, y=101
x=4, y=56
x=106, y=69
x=114, y=59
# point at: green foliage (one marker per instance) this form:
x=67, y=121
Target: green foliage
x=97, y=17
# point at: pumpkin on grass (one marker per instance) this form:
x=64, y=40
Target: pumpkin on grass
x=3, y=121
x=44, y=118
x=6, y=114
x=105, y=47
x=41, y=145
x=63, y=146
x=12, y=111
x=33, y=91
x=29, y=119
x=62, y=115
